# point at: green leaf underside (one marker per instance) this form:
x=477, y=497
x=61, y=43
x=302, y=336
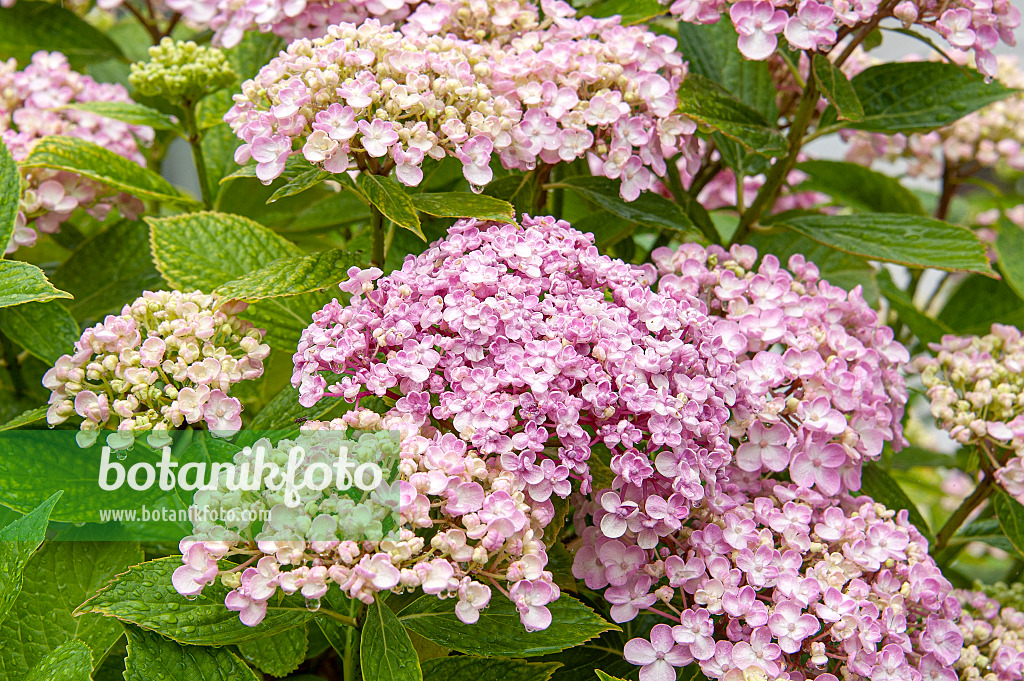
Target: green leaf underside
x=128, y=112
x=911, y=240
x=145, y=597
x=859, y=187
x=97, y=163
x=499, y=631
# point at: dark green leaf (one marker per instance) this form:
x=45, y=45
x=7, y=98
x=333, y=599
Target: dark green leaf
x=283, y=414
x=858, y=187
x=465, y=205
x=308, y=178
x=106, y=271
x=921, y=96
x=499, y=631
x=1011, y=519
x=985, y=530
x=24, y=283
x=392, y=200
x=152, y=657
x=468, y=668
x=46, y=330
x=277, y=655
x=915, y=241
x=385, y=651
x=650, y=210
x=70, y=662
x=837, y=89
x=144, y=596
x=29, y=26
x=926, y=329
x=129, y=112
x=57, y=580
x=522, y=190
x=704, y=101
x=18, y=541
x=980, y=302
x=878, y=485
x=292, y=276
x=97, y=163
x=10, y=195
x=1010, y=247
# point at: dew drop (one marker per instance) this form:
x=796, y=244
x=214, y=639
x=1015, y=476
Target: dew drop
x=313, y=604
x=476, y=188
x=191, y=597
x=79, y=524
x=121, y=455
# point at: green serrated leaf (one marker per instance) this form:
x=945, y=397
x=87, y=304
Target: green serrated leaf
x=130, y=113
x=58, y=579
x=292, y=276
x=604, y=653
x=307, y=179
x=859, y=188
x=921, y=96
x=152, y=657
x=70, y=662
x=878, y=485
x=385, y=650
x=392, y=200
x=26, y=418
x=46, y=330
x=468, y=668
x=105, y=272
x=277, y=655
x=606, y=677
x=706, y=102
x=145, y=597
x=926, y=329
x=18, y=541
x=104, y=166
x=837, y=89
x=631, y=11
x=206, y=250
x=915, y=241
x=1010, y=247
x=499, y=631
x=10, y=194
x=650, y=210
x=21, y=282
x=1011, y=519
x=465, y=205
x=28, y=27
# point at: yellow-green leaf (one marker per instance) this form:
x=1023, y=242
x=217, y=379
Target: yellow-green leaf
x=392, y=200
x=465, y=205
x=21, y=282
x=292, y=276
x=10, y=195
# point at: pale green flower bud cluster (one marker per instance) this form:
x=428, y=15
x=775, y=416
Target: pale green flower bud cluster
x=179, y=70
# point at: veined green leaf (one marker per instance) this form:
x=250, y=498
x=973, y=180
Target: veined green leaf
x=468, y=668
x=1011, y=519
x=29, y=26
x=21, y=282
x=277, y=655
x=392, y=200
x=464, y=205
x=130, y=113
x=152, y=657
x=706, y=102
x=46, y=330
x=385, y=650
x=18, y=541
x=70, y=662
x=860, y=188
x=650, y=210
x=292, y=276
x=10, y=195
x=837, y=89
x=631, y=11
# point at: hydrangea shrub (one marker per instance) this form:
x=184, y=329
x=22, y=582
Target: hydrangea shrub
x=419, y=340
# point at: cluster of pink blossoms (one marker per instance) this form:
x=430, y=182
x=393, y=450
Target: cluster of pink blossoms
x=30, y=108
x=822, y=373
x=976, y=388
x=371, y=97
x=482, y=529
x=169, y=358
x=984, y=138
x=529, y=344
x=812, y=25
x=993, y=639
x=777, y=581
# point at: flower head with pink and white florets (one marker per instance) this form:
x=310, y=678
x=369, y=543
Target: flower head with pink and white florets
x=446, y=520
x=31, y=107
x=993, y=637
x=779, y=581
x=819, y=25
x=168, y=359
x=532, y=346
